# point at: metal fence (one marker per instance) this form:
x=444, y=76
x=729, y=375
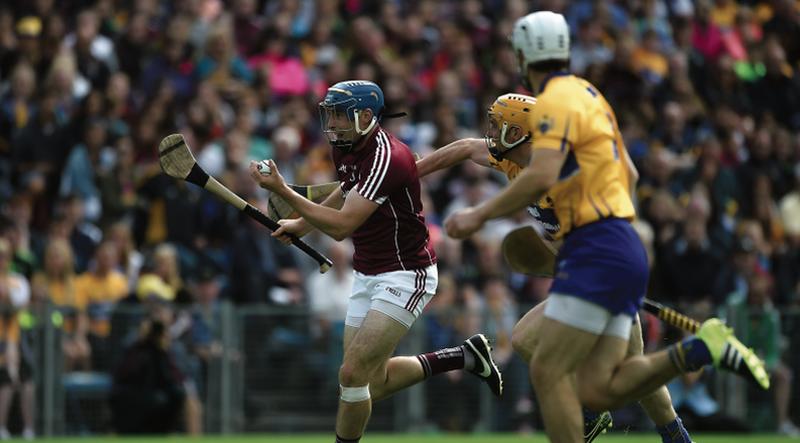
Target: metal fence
x=277, y=373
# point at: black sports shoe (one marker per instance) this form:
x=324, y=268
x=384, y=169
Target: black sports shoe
x=598, y=426
x=485, y=368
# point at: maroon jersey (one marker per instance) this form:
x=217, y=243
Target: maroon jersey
x=395, y=236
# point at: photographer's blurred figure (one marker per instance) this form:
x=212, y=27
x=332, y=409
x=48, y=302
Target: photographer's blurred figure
x=149, y=392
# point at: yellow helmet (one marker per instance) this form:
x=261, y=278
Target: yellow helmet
x=507, y=111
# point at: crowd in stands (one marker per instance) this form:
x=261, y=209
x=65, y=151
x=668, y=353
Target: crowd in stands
x=707, y=95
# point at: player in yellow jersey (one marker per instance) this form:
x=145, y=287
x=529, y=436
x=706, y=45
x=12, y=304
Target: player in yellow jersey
x=601, y=273
x=507, y=148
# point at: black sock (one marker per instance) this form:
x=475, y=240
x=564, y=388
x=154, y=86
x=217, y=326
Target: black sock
x=347, y=440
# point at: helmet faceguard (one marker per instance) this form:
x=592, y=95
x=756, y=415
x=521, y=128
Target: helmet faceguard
x=508, y=111
x=340, y=110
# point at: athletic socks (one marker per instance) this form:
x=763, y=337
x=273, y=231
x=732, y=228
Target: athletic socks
x=347, y=440
x=690, y=355
x=446, y=359
x=674, y=432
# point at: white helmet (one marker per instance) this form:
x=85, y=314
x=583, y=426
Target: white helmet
x=540, y=36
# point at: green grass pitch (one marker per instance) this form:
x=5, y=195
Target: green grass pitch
x=420, y=438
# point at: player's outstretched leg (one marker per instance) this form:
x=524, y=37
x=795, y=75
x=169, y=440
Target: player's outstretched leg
x=402, y=371
x=607, y=386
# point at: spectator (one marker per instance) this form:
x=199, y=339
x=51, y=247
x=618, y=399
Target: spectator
x=39, y=152
x=258, y=264
x=130, y=259
x=171, y=67
x=328, y=294
x=706, y=35
x=27, y=48
x=15, y=369
x=689, y=263
x=133, y=46
x=96, y=56
x=70, y=222
x=784, y=25
x=778, y=91
x=148, y=395
x=91, y=157
x=56, y=282
x=17, y=106
x=221, y=65
x=204, y=332
x=735, y=273
x=116, y=186
x=757, y=323
x=648, y=60
x=15, y=226
x=163, y=282
x=102, y=287
x=589, y=48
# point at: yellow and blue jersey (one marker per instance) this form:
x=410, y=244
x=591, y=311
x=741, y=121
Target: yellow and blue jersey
x=594, y=183
x=602, y=260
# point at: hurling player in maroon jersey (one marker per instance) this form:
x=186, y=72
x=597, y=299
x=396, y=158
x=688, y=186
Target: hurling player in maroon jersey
x=379, y=207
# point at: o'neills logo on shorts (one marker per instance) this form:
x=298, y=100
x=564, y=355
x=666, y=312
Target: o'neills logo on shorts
x=393, y=291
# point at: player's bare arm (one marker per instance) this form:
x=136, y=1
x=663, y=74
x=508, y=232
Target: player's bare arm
x=529, y=187
x=456, y=152
x=299, y=226
x=336, y=223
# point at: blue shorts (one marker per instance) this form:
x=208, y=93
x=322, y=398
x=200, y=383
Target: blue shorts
x=604, y=263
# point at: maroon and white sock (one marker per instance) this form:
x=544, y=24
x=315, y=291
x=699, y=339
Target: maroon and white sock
x=443, y=360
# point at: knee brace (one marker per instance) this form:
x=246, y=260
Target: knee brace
x=354, y=394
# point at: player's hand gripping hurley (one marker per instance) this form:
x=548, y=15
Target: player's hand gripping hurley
x=177, y=161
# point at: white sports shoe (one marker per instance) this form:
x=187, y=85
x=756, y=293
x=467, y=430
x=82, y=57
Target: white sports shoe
x=789, y=429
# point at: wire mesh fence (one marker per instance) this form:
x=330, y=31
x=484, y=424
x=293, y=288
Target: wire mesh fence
x=274, y=369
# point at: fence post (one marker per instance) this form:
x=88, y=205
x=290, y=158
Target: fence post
x=228, y=320
x=50, y=372
x=410, y=405
x=734, y=388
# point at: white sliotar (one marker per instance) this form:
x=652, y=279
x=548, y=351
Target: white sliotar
x=263, y=168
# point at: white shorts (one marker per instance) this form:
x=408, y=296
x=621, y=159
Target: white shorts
x=401, y=295
x=587, y=316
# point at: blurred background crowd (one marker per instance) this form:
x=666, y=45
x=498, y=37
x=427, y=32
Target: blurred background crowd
x=707, y=94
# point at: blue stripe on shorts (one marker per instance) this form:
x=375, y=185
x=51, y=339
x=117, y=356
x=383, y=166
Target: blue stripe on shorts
x=605, y=263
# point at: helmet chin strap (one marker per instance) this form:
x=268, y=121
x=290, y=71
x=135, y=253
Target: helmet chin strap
x=347, y=146
x=507, y=145
x=497, y=153
x=359, y=131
